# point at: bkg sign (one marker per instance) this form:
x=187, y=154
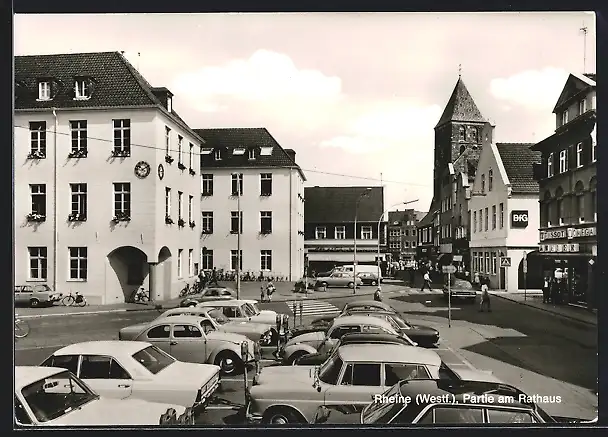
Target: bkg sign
x=519, y=219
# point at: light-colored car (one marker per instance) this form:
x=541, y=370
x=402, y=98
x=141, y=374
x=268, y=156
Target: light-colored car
x=50, y=396
x=139, y=370
x=194, y=340
x=461, y=290
x=315, y=342
x=35, y=295
x=338, y=279
x=351, y=375
x=242, y=310
x=208, y=294
x=257, y=332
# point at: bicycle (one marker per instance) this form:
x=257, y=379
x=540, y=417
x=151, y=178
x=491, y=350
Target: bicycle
x=22, y=327
x=74, y=300
x=141, y=295
x=185, y=291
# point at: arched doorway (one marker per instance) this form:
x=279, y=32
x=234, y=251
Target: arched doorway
x=162, y=287
x=534, y=277
x=130, y=271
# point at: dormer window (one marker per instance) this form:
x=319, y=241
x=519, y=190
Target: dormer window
x=251, y=154
x=238, y=152
x=44, y=90
x=217, y=155
x=266, y=151
x=82, y=89
x=564, y=117
x=582, y=106
x=169, y=103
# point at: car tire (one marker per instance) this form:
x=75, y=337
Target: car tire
x=229, y=363
x=295, y=356
x=34, y=303
x=351, y=285
x=281, y=416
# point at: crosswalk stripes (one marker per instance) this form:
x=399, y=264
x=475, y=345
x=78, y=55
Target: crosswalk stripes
x=313, y=307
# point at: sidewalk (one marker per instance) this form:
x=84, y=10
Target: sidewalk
x=534, y=298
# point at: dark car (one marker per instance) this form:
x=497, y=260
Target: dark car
x=207, y=295
x=354, y=338
x=442, y=402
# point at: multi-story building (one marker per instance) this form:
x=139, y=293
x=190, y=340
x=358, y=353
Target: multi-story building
x=402, y=237
x=252, y=195
x=460, y=135
x=329, y=226
x=567, y=179
x=106, y=188
x=505, y=217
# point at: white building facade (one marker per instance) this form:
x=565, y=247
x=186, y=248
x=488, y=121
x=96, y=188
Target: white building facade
x=246, y=172
x=504, y=215
x=91, y=173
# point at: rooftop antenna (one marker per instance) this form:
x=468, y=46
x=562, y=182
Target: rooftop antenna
x=138, y=55
x=584, y=29
x=459, y=71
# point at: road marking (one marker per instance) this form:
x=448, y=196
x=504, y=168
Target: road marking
x=313, y=307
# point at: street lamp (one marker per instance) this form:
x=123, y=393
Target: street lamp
x=361, y=196
x=380, y=221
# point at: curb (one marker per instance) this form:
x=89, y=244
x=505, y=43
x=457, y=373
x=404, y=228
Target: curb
x=546, y=310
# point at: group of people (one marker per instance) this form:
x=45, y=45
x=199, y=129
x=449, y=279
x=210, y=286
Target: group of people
x=553, y=290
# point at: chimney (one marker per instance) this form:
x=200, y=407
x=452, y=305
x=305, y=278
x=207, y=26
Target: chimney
x=165, y=96
x=291, y=153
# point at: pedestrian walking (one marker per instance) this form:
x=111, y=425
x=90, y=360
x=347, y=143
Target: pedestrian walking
x=262, y=296
x=426, y=281
x=378, y=294
x=213, y=280
x=270, y=289
x=485, y=297
x=546, y=293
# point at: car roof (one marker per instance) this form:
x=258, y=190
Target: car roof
x=372, y=303
x=361, y=320
x=182, y=318
x=388, y=353
x=187, y=310
x=221, y=303
x=371, y=337
x=105, y=347
x=26, y=375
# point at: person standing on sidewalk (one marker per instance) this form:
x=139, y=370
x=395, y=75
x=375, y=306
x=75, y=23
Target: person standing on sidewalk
x=214, y=278
x=546, y=295
x=426, y=281
x=485, y=297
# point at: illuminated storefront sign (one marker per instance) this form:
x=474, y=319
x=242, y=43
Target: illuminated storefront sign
x=559, y=248
x=568, y=233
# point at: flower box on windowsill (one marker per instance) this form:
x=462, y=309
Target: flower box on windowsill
x=36, y=155
x=181, y=223
x=117, y=153
x=121, y=217
x=169, y=159
x=75, y=217
x=192, y=225
x=181, y=166
x=38, y=218
x=192, y=172
x=168, y=220
x=265, y=194
x=82, y=153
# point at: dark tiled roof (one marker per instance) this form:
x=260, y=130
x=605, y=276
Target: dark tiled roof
x=518, y=160
x=337, y=204
x=116, y=83
x=229, y=139
x=420, y=215
x=428, y=218
x=397, y=216
x=461, y=106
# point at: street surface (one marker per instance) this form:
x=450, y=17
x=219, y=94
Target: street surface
x=538, y=352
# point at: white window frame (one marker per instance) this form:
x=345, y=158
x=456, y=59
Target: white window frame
x=206, y=259
x=207, y=184
x=80, y=255
x=190, y=262
x=593, y=150
x=340, y=233
x=582, y=106
x=501, y=213
x=490, y=180
x=180, y=149
x=38, y=191
x=120, y=129
x=38, y=137
x=265, y=178
x=78, y=132
x=234, y=255
x=266, y=260
x=217, y=154
x=251, y=154
x=122, y=195
x=233, y=215
x=565, y=117
x=167, y=140
x=579, y=155
x=180, y=255
x=563, y=161
x=190, y=207
x=207, y=222
x=493, y=259
x=406, y=244
x=265, y=216
x=78, y=199
x=486, y=219
x=550, y=170
x=180, y=205
x=366, y=233
x=82, y=89
x=167, y=202
x=413, y=244
x=320, y=233
x=191, y=156
x=493, y=217
x=169, y=104
x=38, y=262
x=236, y=182
x=44, y=90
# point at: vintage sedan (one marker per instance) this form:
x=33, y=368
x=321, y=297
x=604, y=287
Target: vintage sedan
x=368, y=278
x=352, y=375
x=35, y=295
x=311, y=342
x=138, y=370
x=338, y=279
x=194, y=340
x=461, y=290
x=257, y=332
x=51, y=396
x=242, y=311
x=208, y=294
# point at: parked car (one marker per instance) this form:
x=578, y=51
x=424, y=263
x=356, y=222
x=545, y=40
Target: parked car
x=368, y=304
x=257, y=332
x=136, y=369
x=361, y=268
x=461, y=290
x=35, y=295
x=208, y=294
x=242, y=311
x=338, y=279
x=368, y=278
x=194, y=340
x=353, y=374
x=310, y=343
x=442, y=402
x=50, y=396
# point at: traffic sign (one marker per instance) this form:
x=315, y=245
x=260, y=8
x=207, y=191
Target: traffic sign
x=505, y=261
x=449, y=269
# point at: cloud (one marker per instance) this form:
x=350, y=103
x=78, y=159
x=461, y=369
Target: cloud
x=535, y=89
x=387, y=126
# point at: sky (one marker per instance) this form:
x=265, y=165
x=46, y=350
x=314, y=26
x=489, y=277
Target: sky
x=356, y=95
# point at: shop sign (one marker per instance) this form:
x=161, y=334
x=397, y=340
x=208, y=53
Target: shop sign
x=559, y=248
x=581, y=232
x=553, y=235
x=519, y=219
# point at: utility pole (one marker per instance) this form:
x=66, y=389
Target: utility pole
x=238, y=240
x=584, y=29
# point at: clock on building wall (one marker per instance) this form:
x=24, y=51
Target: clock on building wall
x=142, y=169
x=161, y=171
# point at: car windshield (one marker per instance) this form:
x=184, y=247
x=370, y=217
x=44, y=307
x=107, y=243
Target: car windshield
x=393, y=323
x=153, y=359
x=253, y=307
x=56, y=395
x=384, y=409
x=330, y=369
x=218, y=316
x=247, y=311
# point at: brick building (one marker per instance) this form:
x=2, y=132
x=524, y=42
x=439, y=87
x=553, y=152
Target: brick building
x=402, y=234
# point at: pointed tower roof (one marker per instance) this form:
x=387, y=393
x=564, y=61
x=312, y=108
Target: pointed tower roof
x=461, y=106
